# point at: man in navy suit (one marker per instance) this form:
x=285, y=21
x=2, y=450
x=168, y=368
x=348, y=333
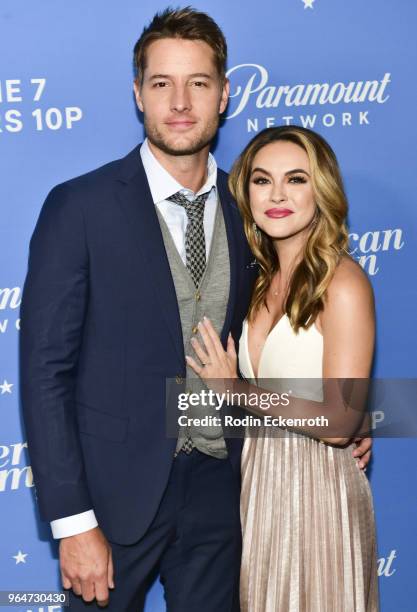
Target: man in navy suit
x=116, y=283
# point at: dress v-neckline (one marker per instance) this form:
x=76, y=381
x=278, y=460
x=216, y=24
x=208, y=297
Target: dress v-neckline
x=273, y=328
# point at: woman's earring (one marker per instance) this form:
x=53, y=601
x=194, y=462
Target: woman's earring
x=256, y=231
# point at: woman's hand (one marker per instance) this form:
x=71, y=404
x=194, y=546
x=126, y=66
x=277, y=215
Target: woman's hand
x=215, y=361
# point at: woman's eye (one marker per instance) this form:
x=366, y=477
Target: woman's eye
x=260, y=180
x=297, y=179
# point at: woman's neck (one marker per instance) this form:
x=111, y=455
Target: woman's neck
x=289, y=252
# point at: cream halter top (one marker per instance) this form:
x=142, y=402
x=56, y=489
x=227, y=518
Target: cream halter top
x=285, y=354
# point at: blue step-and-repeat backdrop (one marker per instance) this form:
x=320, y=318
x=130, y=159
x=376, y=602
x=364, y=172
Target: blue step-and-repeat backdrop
x=345, y=68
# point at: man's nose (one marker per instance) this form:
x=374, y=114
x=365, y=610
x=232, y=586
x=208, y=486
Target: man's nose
x=180, y=100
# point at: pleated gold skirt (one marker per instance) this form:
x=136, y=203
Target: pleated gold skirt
x=308, y=525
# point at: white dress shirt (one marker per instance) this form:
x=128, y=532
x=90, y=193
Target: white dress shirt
x=162, y=185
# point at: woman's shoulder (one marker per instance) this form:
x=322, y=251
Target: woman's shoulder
x=349, y=284
x=349, y=296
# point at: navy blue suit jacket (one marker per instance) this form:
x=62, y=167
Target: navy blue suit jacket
x=100, y=333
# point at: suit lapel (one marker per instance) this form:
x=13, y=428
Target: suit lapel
x=137, y=204
x=227, y=207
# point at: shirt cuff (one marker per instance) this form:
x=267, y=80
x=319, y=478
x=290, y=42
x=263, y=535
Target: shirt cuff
x=74, y=524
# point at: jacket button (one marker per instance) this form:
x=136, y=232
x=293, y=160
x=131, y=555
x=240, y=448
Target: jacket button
x=195, y=329
x=179, y=380
x=198, y=296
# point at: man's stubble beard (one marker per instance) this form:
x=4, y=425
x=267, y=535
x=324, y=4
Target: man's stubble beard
x=195, y=146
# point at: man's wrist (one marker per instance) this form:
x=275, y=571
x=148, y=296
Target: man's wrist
x=74, y=524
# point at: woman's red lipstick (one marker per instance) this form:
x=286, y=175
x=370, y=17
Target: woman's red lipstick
x=278, y=213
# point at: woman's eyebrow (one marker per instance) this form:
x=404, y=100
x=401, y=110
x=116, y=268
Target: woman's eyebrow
x=294, y=171
x=297, y=170
x=258, y=169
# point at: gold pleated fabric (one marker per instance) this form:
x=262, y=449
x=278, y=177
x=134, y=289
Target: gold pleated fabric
x=309, y=542
x=308, y=528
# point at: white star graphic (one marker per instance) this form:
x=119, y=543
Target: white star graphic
x=20, y=557
x=308, y=4
x=6, y=387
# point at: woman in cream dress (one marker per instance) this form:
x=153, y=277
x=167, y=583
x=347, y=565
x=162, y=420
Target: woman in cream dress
x=307, y=515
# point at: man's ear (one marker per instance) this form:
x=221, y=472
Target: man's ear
x=137, y=90
x=225, y=95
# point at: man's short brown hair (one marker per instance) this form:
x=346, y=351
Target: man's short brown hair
x=187, y=24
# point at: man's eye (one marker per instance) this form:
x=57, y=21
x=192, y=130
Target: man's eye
x=159, y=84
x=199, y=84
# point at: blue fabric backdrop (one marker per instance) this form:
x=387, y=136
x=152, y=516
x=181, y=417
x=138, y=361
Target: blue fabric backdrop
x=66, y=106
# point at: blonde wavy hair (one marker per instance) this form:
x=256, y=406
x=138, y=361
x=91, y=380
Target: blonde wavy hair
x=328, y=238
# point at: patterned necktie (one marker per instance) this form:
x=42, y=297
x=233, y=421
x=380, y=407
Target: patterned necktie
x=195, y=243
x=195, y=251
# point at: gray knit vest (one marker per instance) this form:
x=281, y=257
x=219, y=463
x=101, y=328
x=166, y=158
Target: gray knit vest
x=210, y=300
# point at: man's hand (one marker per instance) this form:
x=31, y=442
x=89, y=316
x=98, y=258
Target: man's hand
x=363, y=450
x=87, y=566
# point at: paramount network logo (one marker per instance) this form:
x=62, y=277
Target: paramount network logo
x=14, y=471
x=367, y=246
x=251, y=89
